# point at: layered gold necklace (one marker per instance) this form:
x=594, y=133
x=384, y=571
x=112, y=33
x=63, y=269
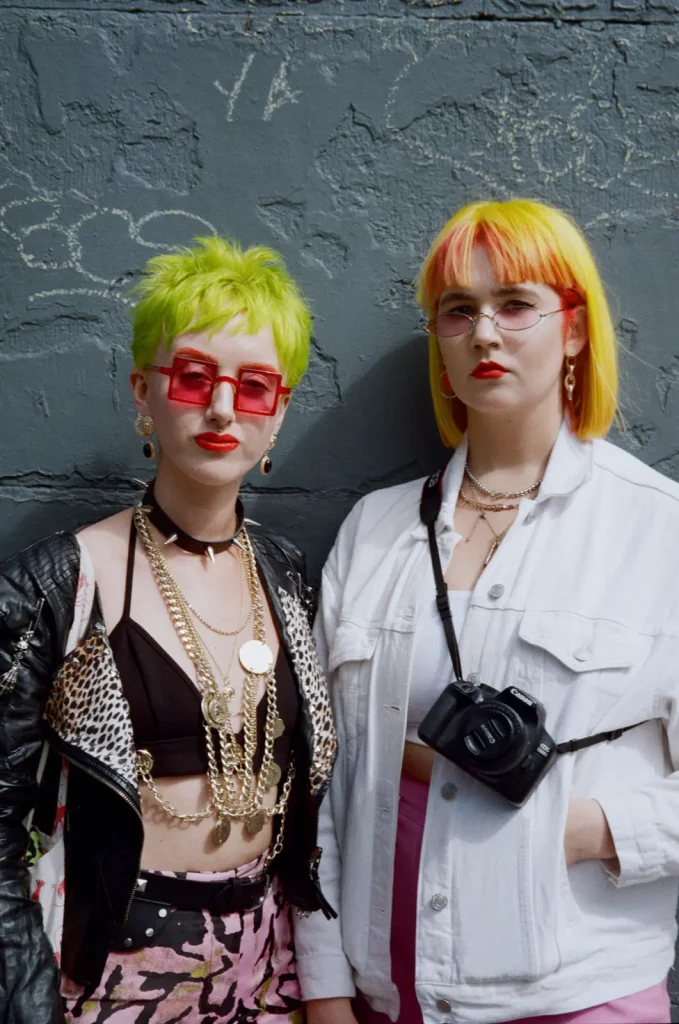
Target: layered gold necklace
x=500, y=501
x=236, y=791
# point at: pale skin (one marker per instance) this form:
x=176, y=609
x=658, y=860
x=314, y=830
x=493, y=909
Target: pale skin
x=512, y=424
x=198, y=489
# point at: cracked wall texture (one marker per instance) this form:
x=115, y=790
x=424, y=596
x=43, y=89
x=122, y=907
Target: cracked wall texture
x=342, y=134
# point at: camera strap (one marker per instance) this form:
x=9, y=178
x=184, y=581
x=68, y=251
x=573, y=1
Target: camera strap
x=570, y=746
x=430, y=506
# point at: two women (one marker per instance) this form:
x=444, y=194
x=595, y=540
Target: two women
x=560, y=562
x=158, y=679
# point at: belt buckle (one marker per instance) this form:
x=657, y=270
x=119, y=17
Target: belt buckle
x=233, y=896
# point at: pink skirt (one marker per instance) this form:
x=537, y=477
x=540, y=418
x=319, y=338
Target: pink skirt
x=651, y=1006
x=201, y=967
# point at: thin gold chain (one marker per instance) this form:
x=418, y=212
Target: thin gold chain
x=224, y=632
x=213, y=629
x=230, y=762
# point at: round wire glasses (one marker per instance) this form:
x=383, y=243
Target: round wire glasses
x=452, y=324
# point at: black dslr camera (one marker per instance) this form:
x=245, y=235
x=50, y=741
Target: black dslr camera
x=497, y=737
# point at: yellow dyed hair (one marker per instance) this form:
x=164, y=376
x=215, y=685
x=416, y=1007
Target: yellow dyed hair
x=526, y=241
x=205, y=287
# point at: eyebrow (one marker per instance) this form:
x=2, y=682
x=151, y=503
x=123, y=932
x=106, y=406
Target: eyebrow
x=259, y=366
x=505, y=289
x=194, y=353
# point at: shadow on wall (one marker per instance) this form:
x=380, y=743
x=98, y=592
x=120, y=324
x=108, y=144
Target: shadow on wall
x=381, y=433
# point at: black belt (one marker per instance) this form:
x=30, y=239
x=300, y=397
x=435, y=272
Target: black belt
x=157, y=896
x=234, y=896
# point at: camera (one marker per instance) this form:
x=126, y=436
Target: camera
x=497, y=737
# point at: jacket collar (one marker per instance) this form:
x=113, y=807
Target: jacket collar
x=569, y=466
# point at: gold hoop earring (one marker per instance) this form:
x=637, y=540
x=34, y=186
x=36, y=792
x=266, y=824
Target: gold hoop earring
x=145, y=427
x=446, y=383
x=569, y=379
x=266, y=465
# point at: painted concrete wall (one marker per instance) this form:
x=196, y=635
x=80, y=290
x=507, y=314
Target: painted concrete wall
x=342, y=133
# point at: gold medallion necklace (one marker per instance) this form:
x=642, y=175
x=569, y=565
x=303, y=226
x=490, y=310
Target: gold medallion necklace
x=236, y=791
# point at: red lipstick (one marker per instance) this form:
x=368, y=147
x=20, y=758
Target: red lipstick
x=217, y=442
x=489, y=371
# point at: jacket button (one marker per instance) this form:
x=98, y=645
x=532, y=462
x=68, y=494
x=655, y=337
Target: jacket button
x=149, y=933
x=439, y=901
x=496, y=591
x=448, y=790
x=443, y=1005
x=162, y=912
x=582, y=654
x=127, y=943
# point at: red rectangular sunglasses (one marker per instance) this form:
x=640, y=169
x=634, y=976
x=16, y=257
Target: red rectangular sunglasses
x=194, y=380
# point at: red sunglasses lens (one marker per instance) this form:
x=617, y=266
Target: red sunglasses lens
x=192, y=381
x=257, y=392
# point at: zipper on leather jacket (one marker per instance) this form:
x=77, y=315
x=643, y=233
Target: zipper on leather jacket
x=9, y=680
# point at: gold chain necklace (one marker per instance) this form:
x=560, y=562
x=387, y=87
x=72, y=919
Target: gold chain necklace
x=484, y=507
x=213, y=629
x=501, y=494
x=227, y=761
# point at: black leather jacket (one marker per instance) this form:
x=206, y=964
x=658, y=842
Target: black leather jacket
x=75, y=702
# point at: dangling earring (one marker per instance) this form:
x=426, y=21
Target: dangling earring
x=145, y=427
x=569, y=379
x=446, y=384
x=266, y=465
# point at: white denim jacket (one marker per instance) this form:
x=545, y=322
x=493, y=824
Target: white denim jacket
x=579, y=607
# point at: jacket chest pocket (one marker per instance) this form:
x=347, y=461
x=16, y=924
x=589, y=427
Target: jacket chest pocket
x=577, y=650
x=350, y=660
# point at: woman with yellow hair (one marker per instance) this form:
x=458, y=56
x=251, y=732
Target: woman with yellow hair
x=501, y=836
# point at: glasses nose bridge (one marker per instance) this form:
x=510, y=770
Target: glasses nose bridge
x=475, y=321
x=218, y=392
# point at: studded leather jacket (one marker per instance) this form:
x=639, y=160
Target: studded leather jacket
x=74, y=702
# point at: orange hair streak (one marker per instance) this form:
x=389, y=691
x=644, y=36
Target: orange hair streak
x=526, y=241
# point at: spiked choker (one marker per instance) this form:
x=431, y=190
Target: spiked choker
x=175, y=535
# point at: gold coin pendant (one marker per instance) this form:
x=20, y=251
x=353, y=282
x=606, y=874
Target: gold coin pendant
x=273, y=776
x=278, y=728
x=255, y=823
x=215, y=710
x=255, y=656
x=221, y=831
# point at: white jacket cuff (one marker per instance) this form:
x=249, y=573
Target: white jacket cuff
x=325, y=976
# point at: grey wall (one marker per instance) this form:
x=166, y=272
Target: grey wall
x=342, y=133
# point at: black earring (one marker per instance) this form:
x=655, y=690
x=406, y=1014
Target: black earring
x=266, y=465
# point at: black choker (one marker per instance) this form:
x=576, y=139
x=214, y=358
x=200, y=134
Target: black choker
x=183, y=540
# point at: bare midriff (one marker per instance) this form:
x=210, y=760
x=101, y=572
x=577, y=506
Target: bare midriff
x=171, y=845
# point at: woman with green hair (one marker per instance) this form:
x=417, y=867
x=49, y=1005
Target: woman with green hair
x=166, y=734
x=501, y=835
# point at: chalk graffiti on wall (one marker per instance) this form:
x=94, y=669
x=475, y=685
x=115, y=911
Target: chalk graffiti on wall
x=42, y=212
x=278, y=95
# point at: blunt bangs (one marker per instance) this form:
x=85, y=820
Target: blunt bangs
x=525, y=241
x=205, y=287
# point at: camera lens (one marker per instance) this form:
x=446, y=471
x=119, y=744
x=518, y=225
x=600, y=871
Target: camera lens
x=493, y=736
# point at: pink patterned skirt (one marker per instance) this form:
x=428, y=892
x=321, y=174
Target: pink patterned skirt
x=201, y=969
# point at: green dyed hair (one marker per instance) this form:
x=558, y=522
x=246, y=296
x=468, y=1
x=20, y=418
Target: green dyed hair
x=205, y=287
